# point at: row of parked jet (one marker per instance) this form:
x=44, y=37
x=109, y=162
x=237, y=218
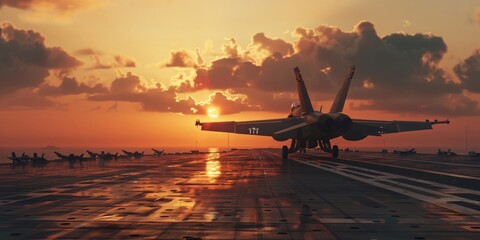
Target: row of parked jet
x=24, y=158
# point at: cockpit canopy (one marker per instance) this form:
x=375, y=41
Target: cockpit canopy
x=295, y=110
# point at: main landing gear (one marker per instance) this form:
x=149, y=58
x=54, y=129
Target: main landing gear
x=300, y=145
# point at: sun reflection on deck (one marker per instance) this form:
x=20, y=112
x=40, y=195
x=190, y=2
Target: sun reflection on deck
x=213, y=166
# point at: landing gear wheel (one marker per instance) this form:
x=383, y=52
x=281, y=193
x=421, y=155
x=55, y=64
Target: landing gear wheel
x=335, y=151
x=284, y=152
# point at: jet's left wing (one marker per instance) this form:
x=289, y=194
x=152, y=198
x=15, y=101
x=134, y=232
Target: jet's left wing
x=378, y=127
x=269, y=127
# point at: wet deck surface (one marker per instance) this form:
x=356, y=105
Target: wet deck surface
x=244, y=194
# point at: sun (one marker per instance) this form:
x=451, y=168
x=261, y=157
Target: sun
x=213, y=112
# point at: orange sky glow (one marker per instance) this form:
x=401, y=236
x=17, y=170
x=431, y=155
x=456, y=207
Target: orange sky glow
x=82, y=73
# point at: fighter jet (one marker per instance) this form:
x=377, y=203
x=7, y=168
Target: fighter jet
x=70, y=157
x=107, y=156
x=20, y=160
x=406, y=152
x=38, y=160
x=93, y=155
x=136, y=154
x=308, y=128
x=158, y=152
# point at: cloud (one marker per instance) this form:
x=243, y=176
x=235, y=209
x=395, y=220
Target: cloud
x=25, y=61
x=181, y=59
x=87, y=52
x=129, y=88
x=395, y=69
x=51, y=10
x=468, y=71
x=272, y=46
x=70, y=86
x=231, y=49
x=122, y=61
x=60, y=6
x=119, y=61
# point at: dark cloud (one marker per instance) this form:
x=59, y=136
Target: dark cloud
x=129, y=88
x=468, y=71
x=129, y=83
x=70, y=86
x=25, y=61
x=394, y=69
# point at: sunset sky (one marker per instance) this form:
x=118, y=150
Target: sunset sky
x=78, y=73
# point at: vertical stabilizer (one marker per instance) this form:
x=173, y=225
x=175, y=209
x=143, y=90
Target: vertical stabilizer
x=339, y=101
x=305, y=103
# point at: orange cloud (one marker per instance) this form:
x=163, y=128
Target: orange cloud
x=129, y=88
x=181, y=59
x=272, y=45
x=70, y=86
x=60, y=6
x=118, y=61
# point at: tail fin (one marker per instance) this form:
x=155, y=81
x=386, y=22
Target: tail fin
x=305, y=103
x=43, y=154
x=35, y=155
x=14, y=155
x=339, y=101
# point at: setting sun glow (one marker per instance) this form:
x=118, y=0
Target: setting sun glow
x=213, y=112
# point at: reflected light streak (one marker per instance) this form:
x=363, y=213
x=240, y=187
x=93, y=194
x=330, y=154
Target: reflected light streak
x=213, y=166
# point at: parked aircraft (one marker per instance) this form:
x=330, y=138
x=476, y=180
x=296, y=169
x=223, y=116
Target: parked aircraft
x=107, y=156
x=449, y=152
x=70, y=157
x=92, y=154
x=158, y=152
x=135, y=154
x=406, y=152
x=308, y=128
x=37, y=160
x=20, y=160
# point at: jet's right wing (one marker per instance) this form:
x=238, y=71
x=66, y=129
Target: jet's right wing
x=365, y=128
x=269, y=127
